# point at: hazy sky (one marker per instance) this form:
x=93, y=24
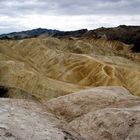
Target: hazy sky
x=16, y=15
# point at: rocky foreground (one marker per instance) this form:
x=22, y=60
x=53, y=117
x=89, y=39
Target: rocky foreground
x=100, y=113
x=69, y=89
x=26, y=120
x=107, y=113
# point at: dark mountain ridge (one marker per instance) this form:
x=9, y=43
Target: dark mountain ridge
x=28, y=34
x=123, y=33
x=39, y=31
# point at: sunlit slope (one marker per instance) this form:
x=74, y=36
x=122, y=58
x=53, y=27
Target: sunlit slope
x=18, y=72
x=47, y=71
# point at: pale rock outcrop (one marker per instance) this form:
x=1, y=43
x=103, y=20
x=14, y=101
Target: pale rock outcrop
x=77, y=104
x=110, y=124
x=26, y=120
x=102, y=113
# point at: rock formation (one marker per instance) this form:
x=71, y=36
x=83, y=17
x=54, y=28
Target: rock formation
x=43, y=71
x=100, y=113
x=26, y=120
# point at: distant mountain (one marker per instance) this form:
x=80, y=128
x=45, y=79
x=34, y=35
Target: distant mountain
x=28, y=34
x=40, y=31
x=77, y=33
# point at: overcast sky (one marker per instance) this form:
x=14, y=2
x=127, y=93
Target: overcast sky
x=17, y=15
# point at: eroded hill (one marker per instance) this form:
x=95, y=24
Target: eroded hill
x=40, y=68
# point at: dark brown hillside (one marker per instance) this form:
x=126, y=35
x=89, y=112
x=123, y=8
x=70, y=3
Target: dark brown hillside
x=125, y=34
